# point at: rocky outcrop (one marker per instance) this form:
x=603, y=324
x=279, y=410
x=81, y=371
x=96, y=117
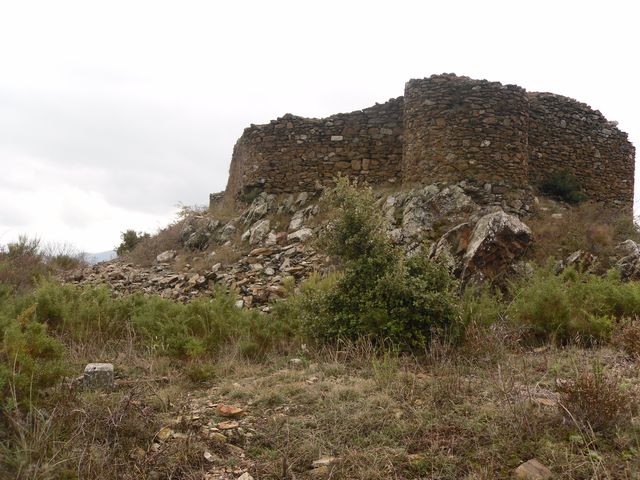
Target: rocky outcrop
x=270, y=241
x=629, y=263
x=489, y=249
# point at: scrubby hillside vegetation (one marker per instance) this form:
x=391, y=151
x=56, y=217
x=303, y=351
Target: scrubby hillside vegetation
x=364, y=334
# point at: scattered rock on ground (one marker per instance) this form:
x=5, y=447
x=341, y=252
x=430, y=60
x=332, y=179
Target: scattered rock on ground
x=532, y=470
x=98, y=376
x=166, y=256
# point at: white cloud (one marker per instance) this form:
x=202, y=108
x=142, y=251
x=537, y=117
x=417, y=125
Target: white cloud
x=111, y=113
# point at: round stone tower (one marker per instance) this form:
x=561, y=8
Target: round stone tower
x=456, y=128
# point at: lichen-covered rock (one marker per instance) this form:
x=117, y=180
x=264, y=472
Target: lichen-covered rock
x=300, y=235
x=452, y=246
x=628, y=247
x=430, y=205
x=98, y=376
x=166, y=256
x=257, y=232
x=198, y=231
x=228, y=231
x=629, y=264
x=497, y=241
x=260, y=206
x=580, y=259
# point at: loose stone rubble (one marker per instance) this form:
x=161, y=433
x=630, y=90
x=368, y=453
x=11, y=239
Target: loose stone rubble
x=276, y=255
x=258, y=276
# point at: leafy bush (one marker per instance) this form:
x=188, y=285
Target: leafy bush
x=197, y=328
x=25, y=261
x=379, y=293
x=563, y=186
x=572, y=305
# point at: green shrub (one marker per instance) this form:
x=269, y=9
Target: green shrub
x=572, y=305
x=83, y=314
x=30, y=359
x=130, y=239
x=563, y=186
x=379, y=293
x=481, y=305
x=197, y=328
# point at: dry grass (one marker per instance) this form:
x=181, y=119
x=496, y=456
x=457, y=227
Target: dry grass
x=586, y=227
x=596, y=399
x=148, y=249
x=627, y=337
x=381, y=415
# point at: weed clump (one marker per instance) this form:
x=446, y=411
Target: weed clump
x=596, y=399
x=627, y=337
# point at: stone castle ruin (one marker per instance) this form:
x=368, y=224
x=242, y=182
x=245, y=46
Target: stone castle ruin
x=446, y=129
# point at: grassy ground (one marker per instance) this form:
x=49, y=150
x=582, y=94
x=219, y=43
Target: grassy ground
x=444, y=415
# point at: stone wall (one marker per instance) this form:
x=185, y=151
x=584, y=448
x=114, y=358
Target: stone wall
x=293, y=154
x=568, y=135
x=445, y=129
x=457, y=128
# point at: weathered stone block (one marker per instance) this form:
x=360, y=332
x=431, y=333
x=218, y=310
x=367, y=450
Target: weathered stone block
x=98, y=376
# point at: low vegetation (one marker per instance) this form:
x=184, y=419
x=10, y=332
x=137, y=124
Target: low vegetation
x=588, y=227
x=386, y=366
x=378, y=293
x=562, y=185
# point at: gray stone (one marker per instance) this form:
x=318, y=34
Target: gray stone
x=257, y=232
x=532, y=470
x=497, y=241
x=296, y=221
x=166, y=256
x=98, y=376
x=628, y=247
x=228, y=231
x=300, y=235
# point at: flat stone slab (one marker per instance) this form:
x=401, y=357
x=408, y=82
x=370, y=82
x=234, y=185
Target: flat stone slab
x=98, y=376
x=532, y=470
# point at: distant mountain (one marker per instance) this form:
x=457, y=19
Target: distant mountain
x=101, y=256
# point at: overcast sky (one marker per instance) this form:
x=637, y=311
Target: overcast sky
x=111, y=113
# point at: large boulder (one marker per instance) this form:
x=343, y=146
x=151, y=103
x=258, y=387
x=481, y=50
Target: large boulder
x=257, y=232
x=629, y=263
x=425, y=208
x=452, y=246
x=487, y=250
x=497, y=241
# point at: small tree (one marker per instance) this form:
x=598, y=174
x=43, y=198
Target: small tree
x=379, y=293
x=130, y=239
